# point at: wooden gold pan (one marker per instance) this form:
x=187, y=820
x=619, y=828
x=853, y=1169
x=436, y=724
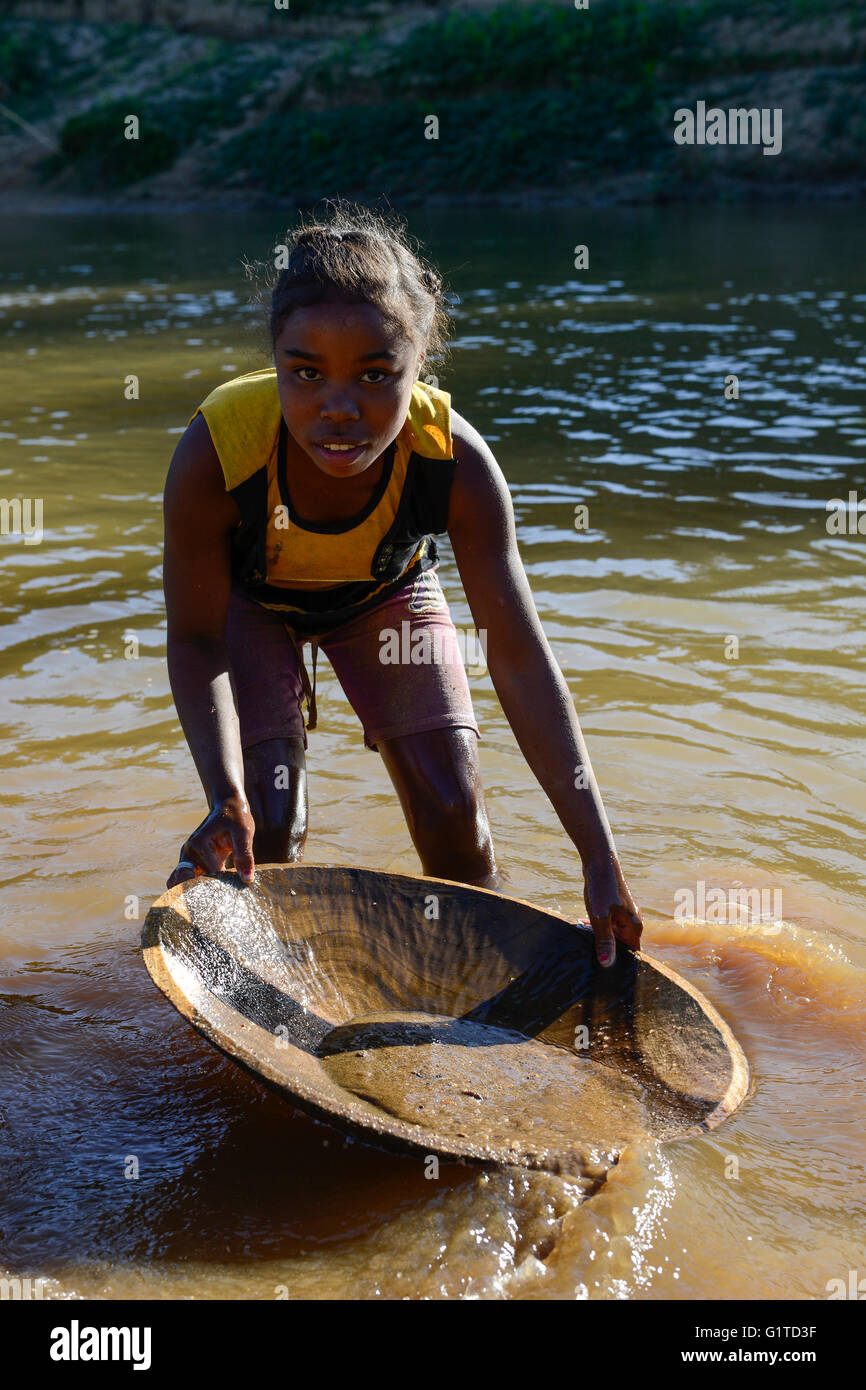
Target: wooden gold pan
x=425, y=1015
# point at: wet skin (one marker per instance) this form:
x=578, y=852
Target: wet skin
x=344, y=372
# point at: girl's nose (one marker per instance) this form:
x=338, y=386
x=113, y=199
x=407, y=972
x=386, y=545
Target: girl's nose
x=340, y=407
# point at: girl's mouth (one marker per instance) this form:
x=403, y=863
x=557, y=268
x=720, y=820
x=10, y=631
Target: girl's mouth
x=340, y=453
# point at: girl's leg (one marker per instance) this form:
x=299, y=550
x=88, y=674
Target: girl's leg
x=275, y=780
x=418, y=714
x=438, y=781
x=269, y=697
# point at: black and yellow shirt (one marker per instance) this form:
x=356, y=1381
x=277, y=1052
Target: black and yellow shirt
x=319, y=575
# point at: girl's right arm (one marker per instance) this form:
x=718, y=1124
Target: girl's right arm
x=199, y=518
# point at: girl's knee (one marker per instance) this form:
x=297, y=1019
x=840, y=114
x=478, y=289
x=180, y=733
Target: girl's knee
x=275, y=780
x=455, y=810
x=279, y=845
x=452, y=835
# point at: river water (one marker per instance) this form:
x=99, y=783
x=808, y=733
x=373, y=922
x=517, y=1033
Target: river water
x=711, y=631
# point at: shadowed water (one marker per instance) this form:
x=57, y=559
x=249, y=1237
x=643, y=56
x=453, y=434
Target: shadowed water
x=728, y=764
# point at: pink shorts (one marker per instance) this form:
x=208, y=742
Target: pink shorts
x=397, y=681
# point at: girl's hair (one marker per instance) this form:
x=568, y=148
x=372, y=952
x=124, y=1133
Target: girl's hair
x=356, y=255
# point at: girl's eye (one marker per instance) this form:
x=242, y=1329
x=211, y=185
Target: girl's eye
x=377, y=371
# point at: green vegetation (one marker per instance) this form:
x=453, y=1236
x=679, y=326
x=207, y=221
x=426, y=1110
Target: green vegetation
x=310, y=8
x=526, y=95
x=557, y=99
x=198, y=99
x=96, y=144
x=487, y=143
x=540, y=46
x=28, y=56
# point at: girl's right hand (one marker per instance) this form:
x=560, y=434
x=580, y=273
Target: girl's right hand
x=613, y=912
x=228, y=829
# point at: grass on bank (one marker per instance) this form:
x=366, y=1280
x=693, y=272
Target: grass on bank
x=536, y=94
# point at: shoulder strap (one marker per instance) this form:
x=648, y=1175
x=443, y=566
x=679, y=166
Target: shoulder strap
x=428, y=424
x=249, y=539
x=423, y=507
x=243, y=416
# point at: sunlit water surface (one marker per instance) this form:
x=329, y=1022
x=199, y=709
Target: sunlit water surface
x=728, y=763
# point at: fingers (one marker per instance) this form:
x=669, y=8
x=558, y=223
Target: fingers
x=193, y=860
x=605, y=946
x=242, y=851
x=185, y=869
x=628, y=926
x=207, y=853
x=208, y=846
x=620, y=925
x=210, y=855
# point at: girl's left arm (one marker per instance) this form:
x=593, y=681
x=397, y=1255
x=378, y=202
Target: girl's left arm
x=530, y=686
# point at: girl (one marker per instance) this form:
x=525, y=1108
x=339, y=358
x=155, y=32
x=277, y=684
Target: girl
x=300, y=506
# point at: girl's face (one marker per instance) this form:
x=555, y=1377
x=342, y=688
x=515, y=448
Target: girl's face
x=344, y=377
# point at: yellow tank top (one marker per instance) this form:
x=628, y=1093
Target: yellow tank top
x=244, y=418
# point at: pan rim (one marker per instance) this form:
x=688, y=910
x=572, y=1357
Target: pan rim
x=406, y=1136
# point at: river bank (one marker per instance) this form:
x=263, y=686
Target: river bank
x=477, y=105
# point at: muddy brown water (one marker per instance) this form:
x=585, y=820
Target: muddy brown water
x=136, y=1160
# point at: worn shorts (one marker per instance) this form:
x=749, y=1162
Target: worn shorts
x=375, y=658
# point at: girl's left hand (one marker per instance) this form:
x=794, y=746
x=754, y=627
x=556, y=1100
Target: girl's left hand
x=612, y=910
